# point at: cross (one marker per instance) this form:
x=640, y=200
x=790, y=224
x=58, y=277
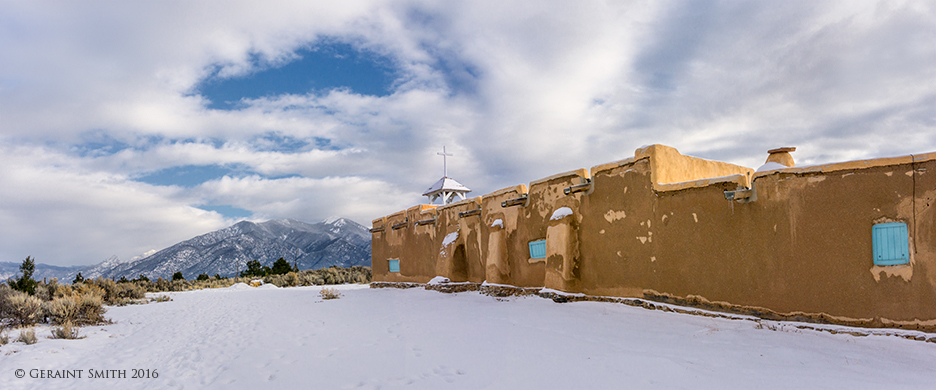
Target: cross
x=444, y=162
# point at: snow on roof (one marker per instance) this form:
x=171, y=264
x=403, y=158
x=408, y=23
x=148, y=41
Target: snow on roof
x=446, y=184
x=560, y=213
x=770, y=166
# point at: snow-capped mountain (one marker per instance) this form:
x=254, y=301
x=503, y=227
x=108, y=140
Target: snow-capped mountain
x=334, y=241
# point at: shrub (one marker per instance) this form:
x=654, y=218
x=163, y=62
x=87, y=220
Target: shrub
x=329, y=293
x=161, y=298
x=4, y=338
x=161, y=285
x=61, y=310
x=177, y=276
x=61, y=290
x=78, y=279
x=27, y=336
x=85, y=309
x=22, y=309
x=132, y=291
x=51, y=289
x=310, y=278
x=5, y=292
x=90, y=310
x=291, y=279
x=119, y=293
x=275, y=280
x=90, y=289
x=42, y=292
x=66, y=331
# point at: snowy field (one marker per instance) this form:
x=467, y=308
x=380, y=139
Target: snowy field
x=270, y=338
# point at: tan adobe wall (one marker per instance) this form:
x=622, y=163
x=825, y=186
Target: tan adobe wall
x=803, y=246
x=798, y=244
x=400, y=238
x=507, y=243
x=668, y=166
x=459, y=256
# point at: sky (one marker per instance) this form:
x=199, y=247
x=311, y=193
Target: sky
x=126, y=127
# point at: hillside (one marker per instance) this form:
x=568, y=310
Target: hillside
x=334, y=241
x=9, y=269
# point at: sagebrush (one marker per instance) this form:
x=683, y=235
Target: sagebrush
x=329, y=293
x=27, y=336
x=81, y=304
x=65, y=331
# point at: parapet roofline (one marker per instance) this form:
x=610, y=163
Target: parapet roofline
x=848, y=165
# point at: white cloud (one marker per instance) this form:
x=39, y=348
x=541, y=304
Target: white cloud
x=64, y=216
x=308, y=199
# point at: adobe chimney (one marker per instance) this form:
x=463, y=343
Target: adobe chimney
x=782, y=156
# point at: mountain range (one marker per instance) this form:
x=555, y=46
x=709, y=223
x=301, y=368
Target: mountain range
x=334, y=241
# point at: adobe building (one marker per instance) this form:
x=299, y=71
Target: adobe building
x=849, y=243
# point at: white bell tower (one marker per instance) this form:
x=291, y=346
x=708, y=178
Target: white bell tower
x=446, y=188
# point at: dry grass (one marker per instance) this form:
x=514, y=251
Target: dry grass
x=329, y=293
x=22, y=309
x=66, y=331
x=27, y=336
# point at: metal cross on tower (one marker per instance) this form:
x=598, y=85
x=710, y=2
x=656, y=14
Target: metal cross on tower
x=444, y=162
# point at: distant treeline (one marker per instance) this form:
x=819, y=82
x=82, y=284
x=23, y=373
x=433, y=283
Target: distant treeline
x=332, y=275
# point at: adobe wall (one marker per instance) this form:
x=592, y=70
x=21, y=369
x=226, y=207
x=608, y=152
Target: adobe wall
x=505, y=245
x=802, y=246
x=459, y=256
x=400, y=238
x=794, y=242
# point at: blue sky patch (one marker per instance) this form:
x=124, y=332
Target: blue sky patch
x=273, y=142
x=98, y=144
x=227, y=210
x=319, y=68
x=189, y=176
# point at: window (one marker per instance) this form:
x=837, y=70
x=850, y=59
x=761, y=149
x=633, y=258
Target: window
x=538, y=249
x=890, y=243
x=394, y=265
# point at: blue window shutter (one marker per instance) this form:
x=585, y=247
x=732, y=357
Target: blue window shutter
x=394, y=265
x=890, y=242
x=538, y=249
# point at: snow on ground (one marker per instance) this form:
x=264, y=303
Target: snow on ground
x=240, y=338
